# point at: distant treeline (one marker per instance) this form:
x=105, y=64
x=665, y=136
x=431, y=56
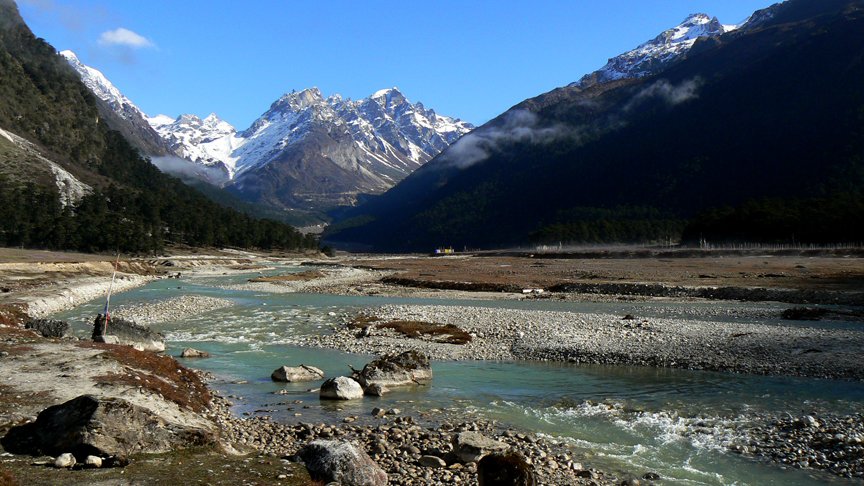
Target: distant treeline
x=132, y=222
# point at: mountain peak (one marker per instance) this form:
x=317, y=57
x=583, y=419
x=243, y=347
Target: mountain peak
x=299, y=100
x=658, y=52
x=69, y=55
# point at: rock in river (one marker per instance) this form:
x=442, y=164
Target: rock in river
x=194, y=353
x=344, y=463
x=292, y=374
x=341, y=388
x=408, y=368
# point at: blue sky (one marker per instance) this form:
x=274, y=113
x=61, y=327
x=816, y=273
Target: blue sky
x=469, y=59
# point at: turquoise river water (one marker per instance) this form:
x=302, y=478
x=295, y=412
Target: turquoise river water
x=674, y=422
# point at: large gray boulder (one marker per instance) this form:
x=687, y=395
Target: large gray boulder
x=333, y=461
x=90, y=425
x=120, y=331
x=49, y=328
x=472, y=446
x=341, y=388
x=293, y=374
x=408, y=368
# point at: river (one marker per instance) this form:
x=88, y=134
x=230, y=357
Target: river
x=673, y=422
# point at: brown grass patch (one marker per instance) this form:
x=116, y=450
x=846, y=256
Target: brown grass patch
x=291, y=277
x=443, y=333
x=12, y=315
x=159, y=374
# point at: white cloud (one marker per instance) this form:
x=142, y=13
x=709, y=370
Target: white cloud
x=124, y=37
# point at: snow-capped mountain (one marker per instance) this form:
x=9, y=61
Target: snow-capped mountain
x=387, y=130
x=327, y=150
x=657, y=53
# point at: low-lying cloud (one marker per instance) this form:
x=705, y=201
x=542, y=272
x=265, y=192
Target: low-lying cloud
x=185, y=169
x=668, y=92
x=518, y=126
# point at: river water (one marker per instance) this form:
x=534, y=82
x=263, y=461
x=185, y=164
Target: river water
x=623, y=419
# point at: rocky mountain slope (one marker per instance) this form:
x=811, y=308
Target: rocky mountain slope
x=754, y=134
x=315, y=152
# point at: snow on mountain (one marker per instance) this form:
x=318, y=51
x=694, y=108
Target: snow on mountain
x=101, y=87
x=657, y=53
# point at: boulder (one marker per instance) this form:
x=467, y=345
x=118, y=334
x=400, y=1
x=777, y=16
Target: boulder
x=90, y=425
x=341, y=388
x=49, y=328
x=292, y=374
x=332, y=461
x=408, y=368
x=93, y=461
x=472, y=446
x=509, y=469
x=194, y=353
x=120, y=331
x=64, y=460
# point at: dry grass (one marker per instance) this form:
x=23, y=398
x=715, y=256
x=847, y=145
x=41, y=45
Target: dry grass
x=158, y=373
x=443, y=333
x=12, y=315
x=291, y=277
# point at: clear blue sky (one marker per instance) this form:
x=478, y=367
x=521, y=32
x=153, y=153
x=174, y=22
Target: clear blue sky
x=469, y=59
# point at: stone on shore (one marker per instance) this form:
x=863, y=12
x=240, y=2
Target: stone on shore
x=93, y=461
x=408, y=368
x=341, y=388
x=90, y=425
x=292, y=374
x=431, y=461
x=49, y=328
x=120, y=331
x=472, y=446
x=344, y=463
x=500, y=469
x=64, y=460
x=194, y=353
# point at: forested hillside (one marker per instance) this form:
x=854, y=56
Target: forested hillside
x=753, y=135
x=131, y=206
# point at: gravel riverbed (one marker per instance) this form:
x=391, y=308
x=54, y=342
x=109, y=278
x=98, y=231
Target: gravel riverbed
x=173, y=309
x=507, y=334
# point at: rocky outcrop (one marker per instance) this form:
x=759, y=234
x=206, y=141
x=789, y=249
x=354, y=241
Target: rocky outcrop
x=472, y=446
x=49, y=328
x=331, y=461
x=292, y=374
x=341, y=388
x=120, y=331
x=90, y=425
x=408, y=368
